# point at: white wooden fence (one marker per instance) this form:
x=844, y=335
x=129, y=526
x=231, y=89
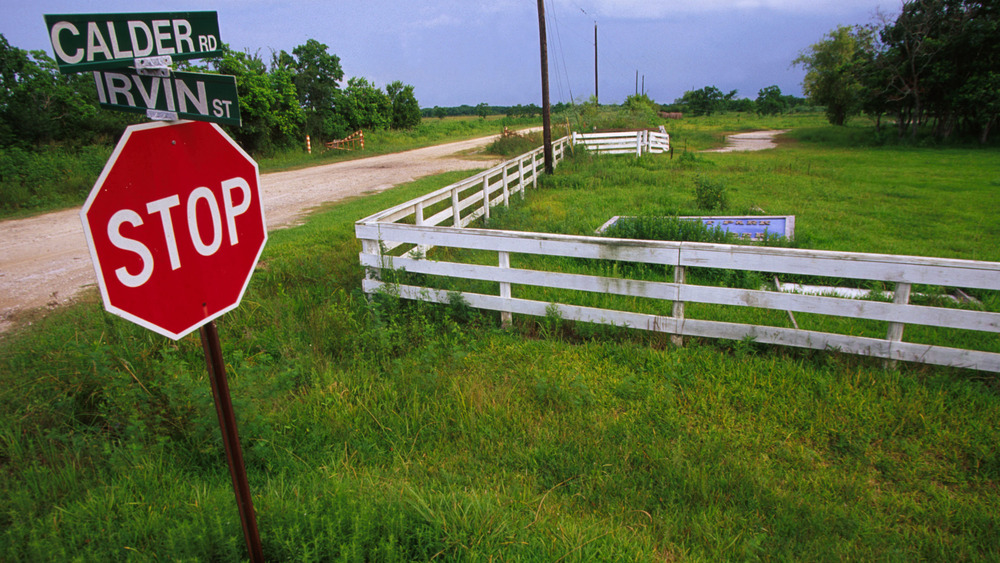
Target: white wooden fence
x=630, y=142
x=381, y=233
x=461, y=203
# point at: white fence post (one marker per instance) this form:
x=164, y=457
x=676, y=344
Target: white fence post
x=506, y=189
x=679, y=279
x=520, y=176
x=454, y=207
x=505, y=316
x=486, y=197
x=895, y=332
x=418, y=211
x=372, y=247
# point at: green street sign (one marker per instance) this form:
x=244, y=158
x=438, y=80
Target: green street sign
x=181, y=95
x=84, y=42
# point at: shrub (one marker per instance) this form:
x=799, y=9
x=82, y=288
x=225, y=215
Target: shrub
x=710, y=194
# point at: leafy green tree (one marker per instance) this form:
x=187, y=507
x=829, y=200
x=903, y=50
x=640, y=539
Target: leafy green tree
x=364, y=106
x=832, y=74
x=405, y=108
x=269, y=105
x=316, y=75
x=640, y=103
x=705, y=101
x=40, y=105
x=482, y=110
x=979, y=98
x=770, y=101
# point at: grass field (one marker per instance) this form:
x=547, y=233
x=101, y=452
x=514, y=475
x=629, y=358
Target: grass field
x=388, y=430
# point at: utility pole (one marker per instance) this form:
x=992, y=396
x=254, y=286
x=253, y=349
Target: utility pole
x=596, y=97
x=546, y=108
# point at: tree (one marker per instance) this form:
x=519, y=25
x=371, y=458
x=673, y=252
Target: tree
x=832, y=74
x=40, y=105
x=316, y=74
x=405, y=108
x=365, y=106
x=705, y=101
x=770, y=101
x=482, y=110
x=935, y=62
x=269, y=105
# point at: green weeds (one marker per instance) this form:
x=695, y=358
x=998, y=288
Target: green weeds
x=376, y=428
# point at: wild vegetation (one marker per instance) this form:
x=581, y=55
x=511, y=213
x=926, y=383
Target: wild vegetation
x=388, y=430
x=933, y=67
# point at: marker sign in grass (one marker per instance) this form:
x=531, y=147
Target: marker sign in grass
x=748, y=227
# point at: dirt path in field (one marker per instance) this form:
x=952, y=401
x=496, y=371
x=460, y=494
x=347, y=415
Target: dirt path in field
x=44, y=260
x=752, y=141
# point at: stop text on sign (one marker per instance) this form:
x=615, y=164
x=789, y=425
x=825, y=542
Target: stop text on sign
x=205, y=238
x=94, y=41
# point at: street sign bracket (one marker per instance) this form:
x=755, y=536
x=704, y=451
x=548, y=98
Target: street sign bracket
x=159, y=115
x=154, y=66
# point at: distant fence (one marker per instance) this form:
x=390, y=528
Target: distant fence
x=389, y=243
x=353, y=141
x=630, y=142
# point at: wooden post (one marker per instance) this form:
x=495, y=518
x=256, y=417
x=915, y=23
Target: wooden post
x=597, y=99
x=505, y=316
x=371, y=247
x=457, y=215
x=506, y=189
x=679, y=278
x=520, y=177
x=895, y=332
x=546, y=108
x=418, y=211
x=534, y=170
x=486, y=198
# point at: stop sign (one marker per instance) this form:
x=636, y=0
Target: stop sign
x=175, y=226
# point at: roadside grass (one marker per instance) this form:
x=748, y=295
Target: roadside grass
x=51, y=178
x=384, y=429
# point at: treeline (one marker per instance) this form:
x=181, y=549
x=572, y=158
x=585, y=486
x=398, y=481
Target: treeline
x=484, y=110
x=293, y=95
x=935, y=67
x=710, y=99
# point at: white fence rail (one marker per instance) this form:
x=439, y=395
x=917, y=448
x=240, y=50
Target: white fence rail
x=630, y=142
x=381, y=233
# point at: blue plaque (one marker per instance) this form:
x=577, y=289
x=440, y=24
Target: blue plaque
x=751, y=227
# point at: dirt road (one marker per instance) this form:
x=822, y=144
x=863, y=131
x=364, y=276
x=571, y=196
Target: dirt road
x=44, y=261
x=751, y=141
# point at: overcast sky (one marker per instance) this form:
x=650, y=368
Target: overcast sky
x=470, y=51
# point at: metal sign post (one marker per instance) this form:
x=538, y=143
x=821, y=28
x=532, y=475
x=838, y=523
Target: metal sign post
x=231, y=439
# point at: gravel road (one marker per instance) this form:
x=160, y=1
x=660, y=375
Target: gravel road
x=751, y=141
x=44, y=261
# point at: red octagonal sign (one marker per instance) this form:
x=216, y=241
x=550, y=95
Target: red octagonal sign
x=175, y=226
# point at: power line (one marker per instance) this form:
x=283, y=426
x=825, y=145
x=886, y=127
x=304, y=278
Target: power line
x=562, y=56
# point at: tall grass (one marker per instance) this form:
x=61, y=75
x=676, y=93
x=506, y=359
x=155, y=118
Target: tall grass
x=381, y=429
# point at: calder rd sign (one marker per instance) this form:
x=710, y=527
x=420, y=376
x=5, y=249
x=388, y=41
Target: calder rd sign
x=101, y=41
x=175, y=226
